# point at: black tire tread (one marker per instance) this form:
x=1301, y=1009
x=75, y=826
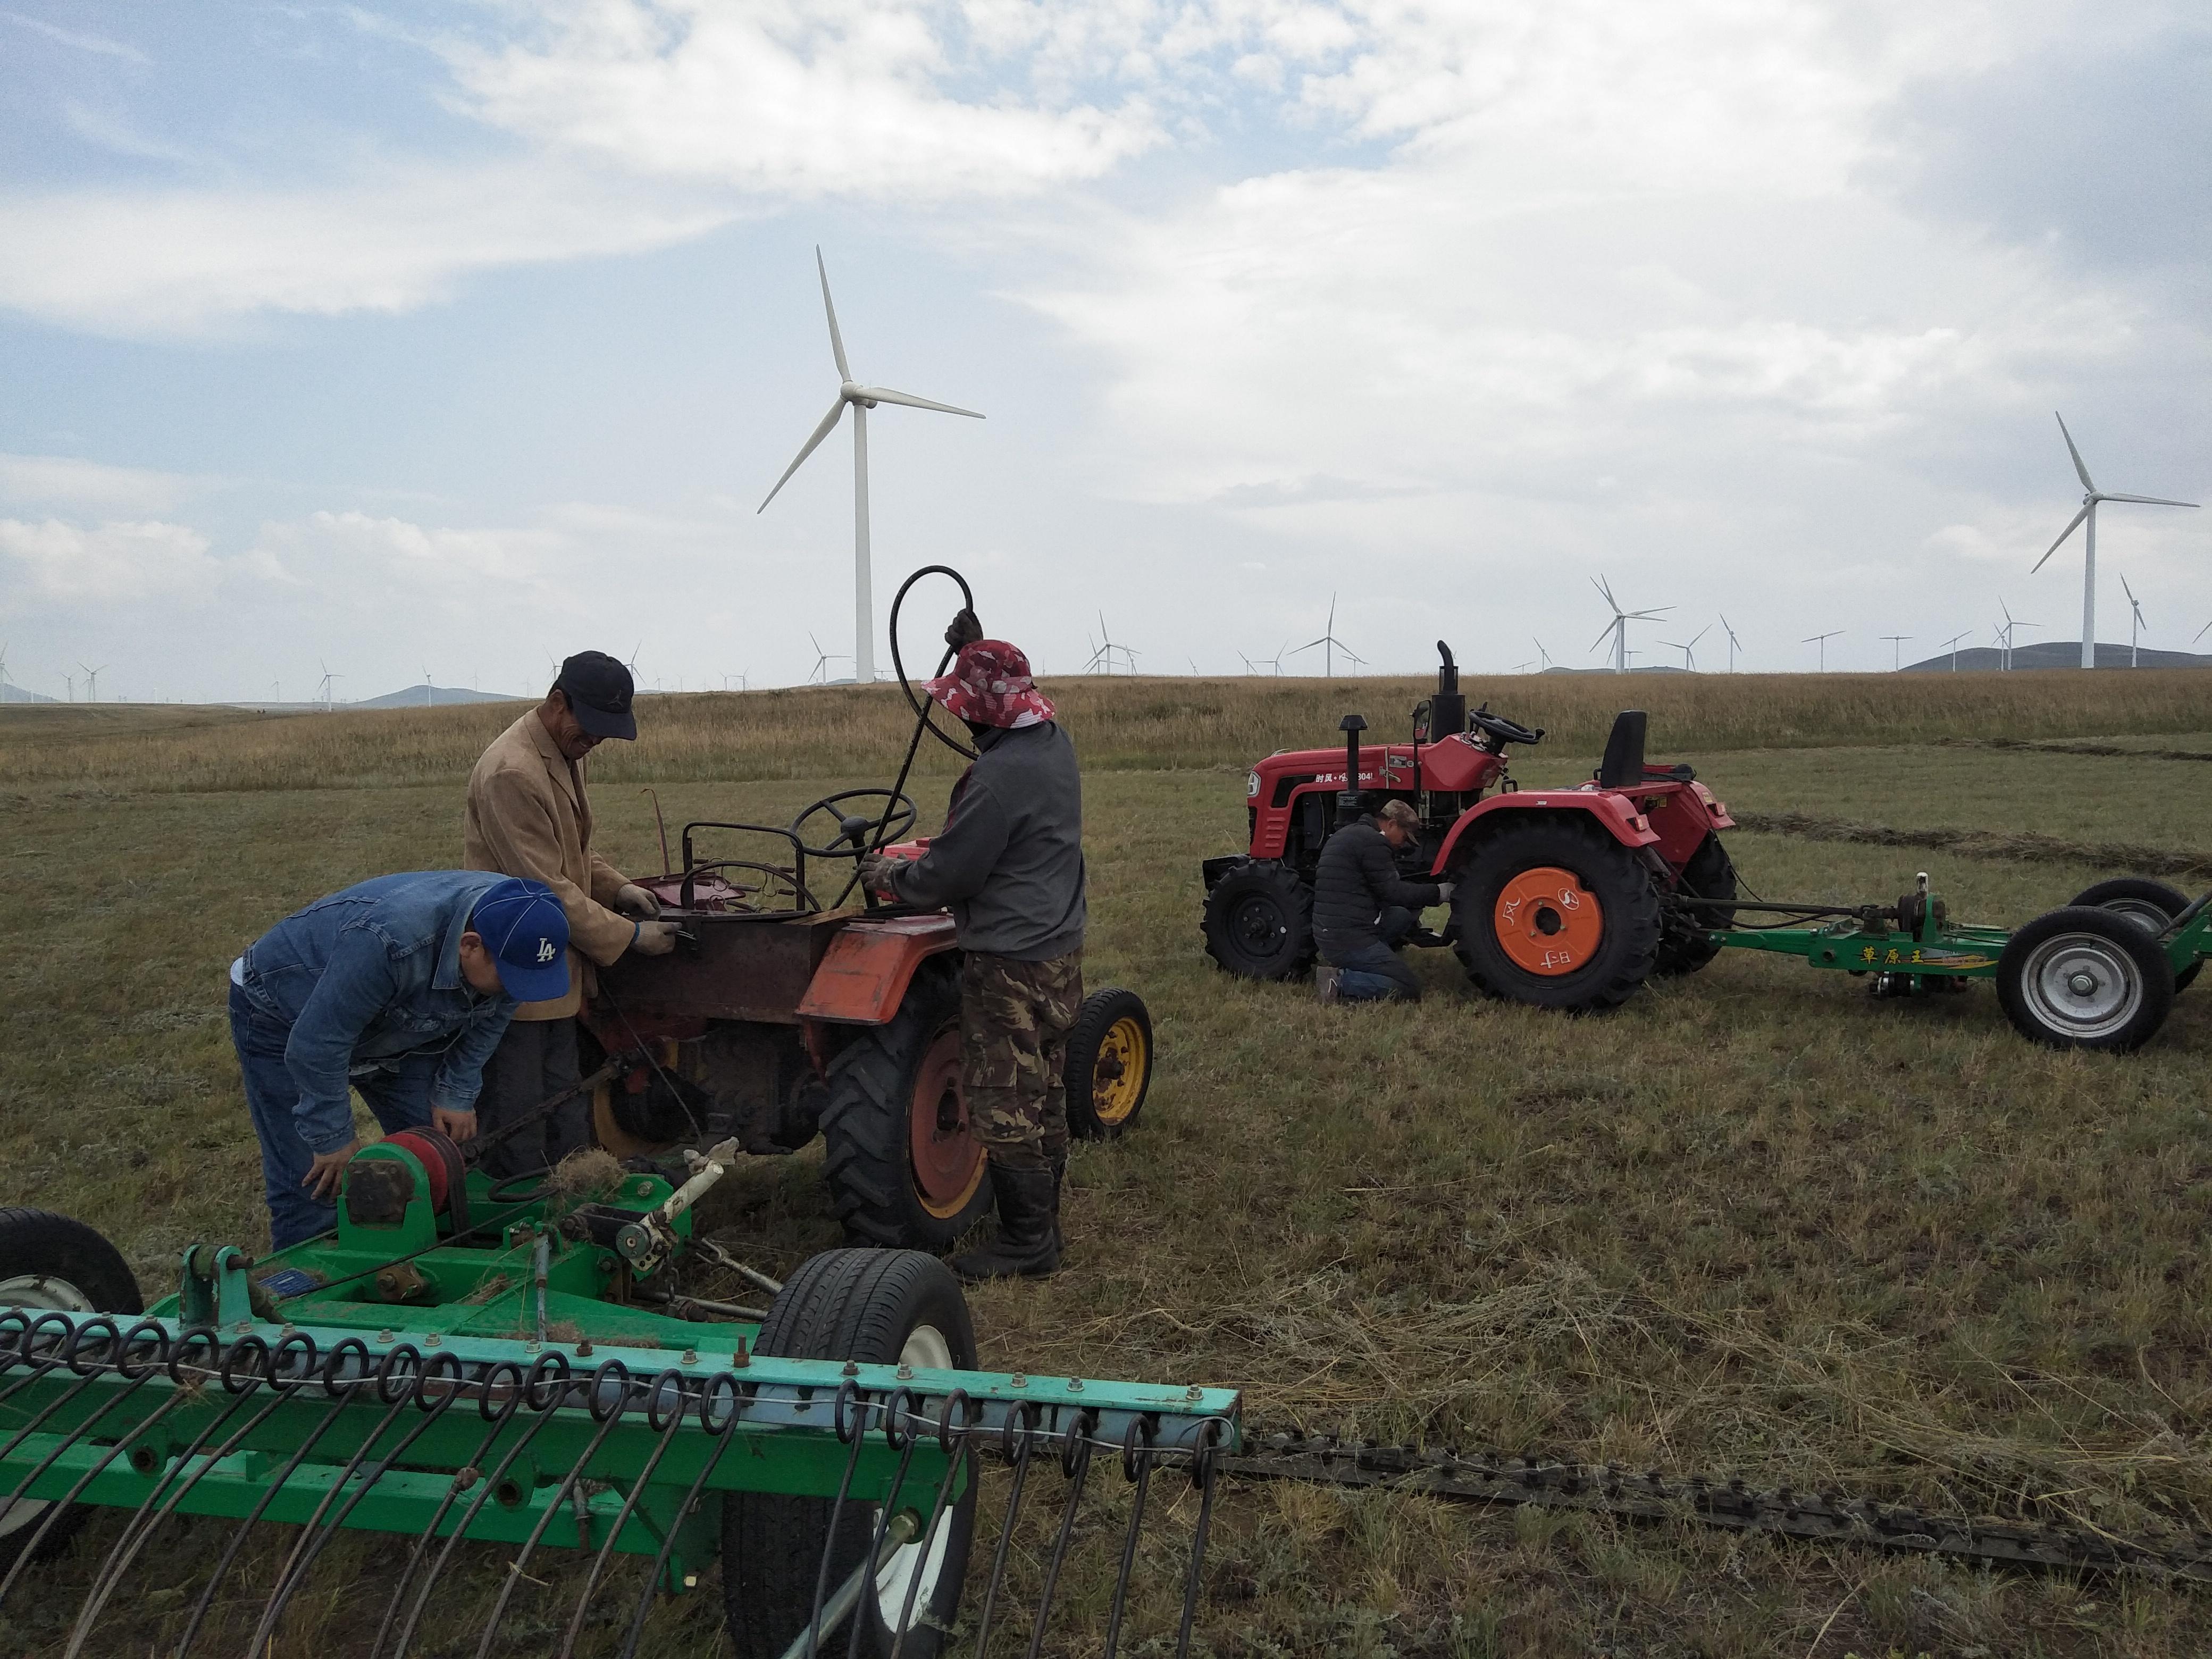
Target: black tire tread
x=1101, y=1010
x=1632, y=916
x=2171, y=900
x=2157, y=976
x=1684, y=941
x=1295, y=896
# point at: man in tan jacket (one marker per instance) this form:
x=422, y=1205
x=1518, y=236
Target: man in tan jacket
x=528, y=815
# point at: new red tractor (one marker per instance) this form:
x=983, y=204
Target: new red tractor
x=1565, y=898
x=779, y=1017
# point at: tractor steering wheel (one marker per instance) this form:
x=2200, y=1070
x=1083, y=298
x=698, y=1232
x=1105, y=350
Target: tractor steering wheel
x=855, y=830
x=1504, y=731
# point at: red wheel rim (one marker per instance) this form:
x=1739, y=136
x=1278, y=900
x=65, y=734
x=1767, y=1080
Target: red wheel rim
x=1547, y=922
x=948, y=1161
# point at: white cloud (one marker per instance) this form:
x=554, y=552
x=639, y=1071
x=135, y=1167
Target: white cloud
x=175, y=261
x=62, y=481
x=99, y=45
x=116, y=563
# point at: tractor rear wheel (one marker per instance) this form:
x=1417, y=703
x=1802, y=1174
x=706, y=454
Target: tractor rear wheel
x=2085, y=977
x=1259, y=921
x=2150, y=902
x=52, y=1262
x=1109, y=1064
x=903, y=1169
x=1556, y=915
x=880, y=1307
x=1685, y=941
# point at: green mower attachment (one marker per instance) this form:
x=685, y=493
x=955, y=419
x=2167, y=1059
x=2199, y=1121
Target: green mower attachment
x=459, y=1361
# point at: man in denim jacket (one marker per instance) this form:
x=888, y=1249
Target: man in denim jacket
x=399, y=987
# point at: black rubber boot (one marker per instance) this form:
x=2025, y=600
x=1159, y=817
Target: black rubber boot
x=1058, y=1186
x=1028, y=1244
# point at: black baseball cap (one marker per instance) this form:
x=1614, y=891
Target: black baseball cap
x=598, y=689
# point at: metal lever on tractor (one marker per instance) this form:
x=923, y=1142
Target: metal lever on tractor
x=647, y=1243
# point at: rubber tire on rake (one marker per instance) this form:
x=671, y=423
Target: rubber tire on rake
x=1118, y=1017
x=866, y=1126
x=1258, y=921
x=1627, y=903
x=67, y=1253
x=2151, y=902
x=844, y=1304
x=1685, y=941
x=2118, y=942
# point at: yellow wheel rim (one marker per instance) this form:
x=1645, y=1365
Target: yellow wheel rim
x=1118, y=1074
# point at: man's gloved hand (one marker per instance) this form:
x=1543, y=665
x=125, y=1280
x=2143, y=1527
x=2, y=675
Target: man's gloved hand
x=876, y=875
x=965, y=629
x=654, y=939
x=1444, y=891
x=632, y=900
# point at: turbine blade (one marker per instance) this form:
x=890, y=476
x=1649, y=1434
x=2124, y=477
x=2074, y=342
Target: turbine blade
x=2151, y=501
x=880, y=395
x=836, y=340
x=836, y=411
x=1701, y=633
x=2201, y=633
x=1606, y=634
x=2070, y=525
x=2082, y=472
x=1598, y=583
x=2124, y=588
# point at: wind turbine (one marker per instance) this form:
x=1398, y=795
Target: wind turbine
x=92, y=683
x=1543, y=656
x=2136, y=623
x=1618, y=626
x=1821, y=640
x=1329, y=643
x=71, y=678
x=1689, y=651
x=820, y=673
x=1896, y=650
x=2005, y=634
x=425, y=685
x=1733, y=646
x=2090, y=498
x=1951, y=645
x=1103, y=654
x=862, y=398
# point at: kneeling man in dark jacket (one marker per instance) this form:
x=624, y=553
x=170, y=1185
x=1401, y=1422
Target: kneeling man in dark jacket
x=1364, y=909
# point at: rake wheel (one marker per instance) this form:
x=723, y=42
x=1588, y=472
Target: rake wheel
x=1109, y=1064
x=2085, y=977
x=2141, y=899
x=878, y=1306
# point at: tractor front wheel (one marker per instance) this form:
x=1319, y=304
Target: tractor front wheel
x=903, y=1169
x=2153, y=903
x=50, y=1262
x=2085, y=977
x=1686, y=940
x=1258, y=921
x=1556, y=915
x=878, y=1307
x=1109, y=1064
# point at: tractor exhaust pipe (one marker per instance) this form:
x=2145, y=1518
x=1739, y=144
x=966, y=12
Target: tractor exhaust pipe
x=1348, y=798
x=1447, y=708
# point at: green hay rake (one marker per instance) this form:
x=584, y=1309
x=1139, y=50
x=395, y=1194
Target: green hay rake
x=461, y=1361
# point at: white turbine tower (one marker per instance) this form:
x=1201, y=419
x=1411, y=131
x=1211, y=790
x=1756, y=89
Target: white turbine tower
x=1821, y=640
x=1896, y=650
x=1618, y=626
x=861, y=400
x=2090, y=498
x=1734, y=644
x=819, y=674
x=1951, y=645
x=1542, y=656
x=1329, y=643
x=2136, y=623
x=2005, y=634
x=1688, y=649
x=92, y=681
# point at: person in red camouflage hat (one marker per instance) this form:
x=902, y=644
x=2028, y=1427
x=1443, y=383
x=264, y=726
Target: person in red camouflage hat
x=1009, y=865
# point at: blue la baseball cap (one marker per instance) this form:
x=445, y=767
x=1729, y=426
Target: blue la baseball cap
x=525, y=930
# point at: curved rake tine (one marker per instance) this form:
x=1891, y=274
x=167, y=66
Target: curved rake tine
x=68, y=1440
x=316, y=1533
x=444, y=1507
x=268, y=1497
x=1078, y=1472
x=169, y=1491
x=629, y=1503
x=955, y=1402
x=1202, y=1472
x=30, y=1550
x=873, y=1559
x=836, y=1506
x=1137, y=1463
x=468, y=1517
x=1017, y=1423
x=560, y=1496
x=668, y=1544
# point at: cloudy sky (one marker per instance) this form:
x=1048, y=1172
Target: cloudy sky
x=446, y=337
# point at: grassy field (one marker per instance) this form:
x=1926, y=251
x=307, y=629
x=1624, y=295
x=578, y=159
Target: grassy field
x=1756, y=1223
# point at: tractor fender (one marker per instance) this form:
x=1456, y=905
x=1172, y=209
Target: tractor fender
x=1616, y=814
x=862, y=977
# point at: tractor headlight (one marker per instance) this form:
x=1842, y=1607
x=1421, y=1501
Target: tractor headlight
x=1251, y=786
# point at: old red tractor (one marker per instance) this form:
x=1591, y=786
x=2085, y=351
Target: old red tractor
x=779, y=1017
x=1566, y=898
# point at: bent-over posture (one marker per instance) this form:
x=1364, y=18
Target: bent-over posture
x=1364, y=910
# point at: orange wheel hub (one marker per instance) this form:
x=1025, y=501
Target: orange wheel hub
x=948, y=1161
x=1547, y=922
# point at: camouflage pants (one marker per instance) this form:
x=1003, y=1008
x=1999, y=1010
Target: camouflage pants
x=1014, y=1021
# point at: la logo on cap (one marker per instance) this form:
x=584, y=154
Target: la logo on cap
x=546, y=950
